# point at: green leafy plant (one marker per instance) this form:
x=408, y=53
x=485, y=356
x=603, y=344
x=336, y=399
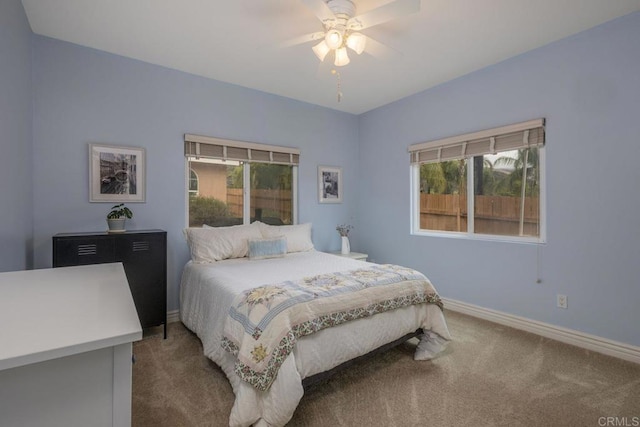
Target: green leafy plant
x=119, y=211
x=206, y=210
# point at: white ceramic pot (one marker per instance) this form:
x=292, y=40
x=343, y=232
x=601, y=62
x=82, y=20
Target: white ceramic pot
x=116, y=225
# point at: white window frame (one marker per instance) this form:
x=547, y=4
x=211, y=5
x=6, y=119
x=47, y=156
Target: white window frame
x=247, y=153
x=414, y=188
x=246, y=194
x=246, y=200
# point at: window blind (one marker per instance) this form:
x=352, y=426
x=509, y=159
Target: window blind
x=197, y=146
x=490, y=141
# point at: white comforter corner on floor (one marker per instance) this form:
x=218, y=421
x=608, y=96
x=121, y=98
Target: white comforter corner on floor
x=208, y=290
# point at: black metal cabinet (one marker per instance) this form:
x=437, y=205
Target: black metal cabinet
x=143, y=254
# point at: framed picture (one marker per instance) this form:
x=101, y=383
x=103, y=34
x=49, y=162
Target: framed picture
x=116, y=174
x=330, y=184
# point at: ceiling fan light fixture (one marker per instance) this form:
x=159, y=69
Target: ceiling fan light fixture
x=357, y=42
x=321, y=50
x=333, y=39
x=342, y=58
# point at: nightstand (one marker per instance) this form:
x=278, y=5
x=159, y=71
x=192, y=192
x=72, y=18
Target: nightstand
x=353, y=255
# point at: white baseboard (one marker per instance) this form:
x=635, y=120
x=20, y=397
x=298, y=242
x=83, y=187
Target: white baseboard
x=568, y=336
x=173, y=316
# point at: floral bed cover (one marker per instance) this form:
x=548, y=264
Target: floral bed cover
x=265, y=322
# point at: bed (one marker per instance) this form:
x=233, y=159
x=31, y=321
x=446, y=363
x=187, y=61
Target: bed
x=210, y=291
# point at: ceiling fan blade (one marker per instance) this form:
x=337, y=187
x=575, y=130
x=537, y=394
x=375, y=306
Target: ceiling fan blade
x=321, y=10
x=381, y=50
x=301, y=39
x=382, y=14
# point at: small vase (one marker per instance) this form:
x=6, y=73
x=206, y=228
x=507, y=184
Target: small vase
x=346, y=248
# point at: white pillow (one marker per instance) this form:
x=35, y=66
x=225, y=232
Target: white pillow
x=298, y=236
x=217, y=243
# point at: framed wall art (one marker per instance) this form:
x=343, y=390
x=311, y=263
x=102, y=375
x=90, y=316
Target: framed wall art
x=330, y=184
x=116, y=174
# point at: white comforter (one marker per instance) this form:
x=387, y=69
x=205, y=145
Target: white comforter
x=207, y=291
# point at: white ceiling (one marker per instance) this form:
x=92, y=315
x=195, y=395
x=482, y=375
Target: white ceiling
x=235, y=41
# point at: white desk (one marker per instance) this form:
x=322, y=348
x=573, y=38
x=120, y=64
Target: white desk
x=65, y=346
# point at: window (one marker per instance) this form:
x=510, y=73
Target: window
x=484, y=184
x=193, y=182
x=235, y=182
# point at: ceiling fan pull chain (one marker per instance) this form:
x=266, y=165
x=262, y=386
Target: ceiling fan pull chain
x=337, y=74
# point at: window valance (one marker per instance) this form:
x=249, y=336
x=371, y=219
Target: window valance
x=490, y=141
x=197, y=146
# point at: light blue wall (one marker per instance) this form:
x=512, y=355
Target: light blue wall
x=86, y=96
x=588, y=88
x=16, y=189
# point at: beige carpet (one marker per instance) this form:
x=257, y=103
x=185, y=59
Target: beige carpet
x=490, y=375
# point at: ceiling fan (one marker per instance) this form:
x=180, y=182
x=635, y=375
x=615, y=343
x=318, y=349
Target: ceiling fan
x=342, y=26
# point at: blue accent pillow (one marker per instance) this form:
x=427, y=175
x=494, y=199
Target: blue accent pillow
x=272, y=247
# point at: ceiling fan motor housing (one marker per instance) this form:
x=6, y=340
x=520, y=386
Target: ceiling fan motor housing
x=342, y=8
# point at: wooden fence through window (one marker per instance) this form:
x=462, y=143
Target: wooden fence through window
x=264, y=204
x=493, y=214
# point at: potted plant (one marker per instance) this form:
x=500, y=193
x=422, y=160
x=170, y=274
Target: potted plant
x=117, y=217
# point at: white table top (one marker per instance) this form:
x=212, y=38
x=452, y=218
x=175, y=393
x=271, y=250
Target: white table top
x=51, y=313
x=354, y=255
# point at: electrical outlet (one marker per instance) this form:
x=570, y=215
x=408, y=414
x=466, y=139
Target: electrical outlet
x=562, y=301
